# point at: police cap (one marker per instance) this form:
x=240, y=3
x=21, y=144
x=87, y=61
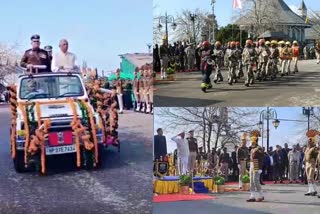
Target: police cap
x=48, y=48
x=35, y=38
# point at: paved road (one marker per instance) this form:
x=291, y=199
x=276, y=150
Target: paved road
x=278, y=199
x=301, y=89
x=123, y=185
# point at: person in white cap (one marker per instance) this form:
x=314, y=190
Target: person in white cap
x=182, y=153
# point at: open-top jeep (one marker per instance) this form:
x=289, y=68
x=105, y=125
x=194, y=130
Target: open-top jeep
x=53, y=114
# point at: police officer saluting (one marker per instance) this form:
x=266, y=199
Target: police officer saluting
x=36, y=56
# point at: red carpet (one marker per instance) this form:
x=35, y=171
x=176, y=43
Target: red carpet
x=180, y=197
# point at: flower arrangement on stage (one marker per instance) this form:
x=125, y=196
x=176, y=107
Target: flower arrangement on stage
x=185, y=181
x=218, y=185
x=246, y=180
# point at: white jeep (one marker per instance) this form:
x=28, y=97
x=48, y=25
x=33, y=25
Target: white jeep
x=44, y=88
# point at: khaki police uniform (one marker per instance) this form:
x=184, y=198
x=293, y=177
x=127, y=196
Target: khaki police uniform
x=256, y=161
x=310, y=158
x=242, y=154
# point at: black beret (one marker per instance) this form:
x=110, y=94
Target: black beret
x=35, y=37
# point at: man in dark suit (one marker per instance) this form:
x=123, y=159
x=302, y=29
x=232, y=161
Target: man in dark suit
x=160, y=145
x=235, y=169
x=277, y=164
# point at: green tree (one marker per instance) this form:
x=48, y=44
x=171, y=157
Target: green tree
x=231, y=33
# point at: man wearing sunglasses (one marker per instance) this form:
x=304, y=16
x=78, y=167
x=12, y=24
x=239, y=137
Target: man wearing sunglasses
x=36, y=56
x=64, y=60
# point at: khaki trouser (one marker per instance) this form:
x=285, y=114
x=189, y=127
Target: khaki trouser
x=190, y=62
x=318, y=57
x=255, y=186
x=224, y=168
x=151, y=95
x=164, y=64
x=294, y=171
x=192, y=161
x=136, y=95
x=142, y=95
x=310, y=170
x=242, y=171
x=289, y=66
x=284, y=65
x=295, y=62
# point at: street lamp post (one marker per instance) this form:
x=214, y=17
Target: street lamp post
x=167, y=19
x=268, y=115
x=307, y=112
x=213, y=19
x=193, y=18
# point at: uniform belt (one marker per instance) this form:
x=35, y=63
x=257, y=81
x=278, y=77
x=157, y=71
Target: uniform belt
x=242, y=159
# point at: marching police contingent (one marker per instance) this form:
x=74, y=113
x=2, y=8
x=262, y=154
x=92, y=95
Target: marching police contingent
x=261, y=61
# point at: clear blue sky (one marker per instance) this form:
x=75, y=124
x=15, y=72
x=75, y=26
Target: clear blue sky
x=223, y=8
x=97, y=30
x=286, y=132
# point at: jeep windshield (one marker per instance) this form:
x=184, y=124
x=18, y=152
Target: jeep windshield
x=46, y=87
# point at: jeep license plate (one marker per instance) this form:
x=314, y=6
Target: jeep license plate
x=60, y=150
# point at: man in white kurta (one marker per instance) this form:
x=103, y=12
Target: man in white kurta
x=64, y=60
x=183, y=153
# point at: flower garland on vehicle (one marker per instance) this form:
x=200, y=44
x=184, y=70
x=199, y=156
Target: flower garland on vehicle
x=23, y=109
x=107, y=108
x=90, y=131
x=13, y=108
x=78, y=129
x=92, y=128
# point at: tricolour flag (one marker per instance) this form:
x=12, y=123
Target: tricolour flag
x=237, y=4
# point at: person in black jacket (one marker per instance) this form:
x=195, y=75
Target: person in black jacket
x=156, y=59
x=285, y=152
x=160, y=145
x=277, y=164
x=235, y=169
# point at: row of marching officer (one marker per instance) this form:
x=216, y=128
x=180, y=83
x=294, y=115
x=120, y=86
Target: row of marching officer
x=261, y=61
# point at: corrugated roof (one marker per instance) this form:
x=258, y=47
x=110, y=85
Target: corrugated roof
x=283, y=14
x=138, y=59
